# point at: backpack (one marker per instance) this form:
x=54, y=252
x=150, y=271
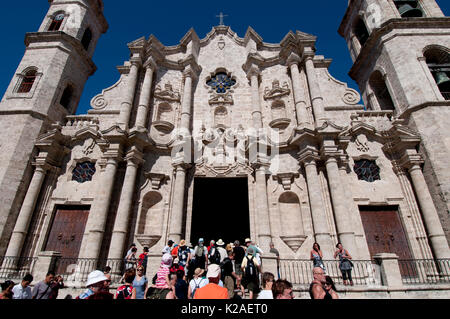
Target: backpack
x=197, y=285
x=222, y=267
x=214, y=256
x=250, y=271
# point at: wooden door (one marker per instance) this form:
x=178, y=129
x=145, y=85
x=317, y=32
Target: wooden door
x=67, y=231
x=384, y=232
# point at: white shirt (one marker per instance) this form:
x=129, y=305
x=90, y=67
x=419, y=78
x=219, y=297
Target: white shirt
x=265, y=294
x=223, y=253
x=20, y=292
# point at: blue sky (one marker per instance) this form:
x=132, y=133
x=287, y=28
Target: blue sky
x=170, y=20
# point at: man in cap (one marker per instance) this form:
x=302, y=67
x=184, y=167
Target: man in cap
x=200, y=254
x=95, y=283
x=168, y=248
x=212, y=290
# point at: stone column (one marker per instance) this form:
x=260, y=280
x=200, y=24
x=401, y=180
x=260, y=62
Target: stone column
x=344, y=223
x=186, y=106
x=176, y=220
x=298, y=90
x=120, y=230
x=26, y=212
x=433, y=225
x=98, y=214
x=144, y=99
x=253, y=74
x=321, y=230
x=262, y=208
x=127, y=103
x=316, y=94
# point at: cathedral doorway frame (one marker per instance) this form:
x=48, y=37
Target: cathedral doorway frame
x=237, y=170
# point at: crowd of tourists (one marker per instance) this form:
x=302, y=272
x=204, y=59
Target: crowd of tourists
x=214, y=271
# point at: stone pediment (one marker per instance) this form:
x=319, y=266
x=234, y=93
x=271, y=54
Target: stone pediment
x=232, y=170
x=167, y=94
x=277, y=91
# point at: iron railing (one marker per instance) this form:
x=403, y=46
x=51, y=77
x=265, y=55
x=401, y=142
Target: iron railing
x=425, y=271
x=15, y=268
x=300, y=272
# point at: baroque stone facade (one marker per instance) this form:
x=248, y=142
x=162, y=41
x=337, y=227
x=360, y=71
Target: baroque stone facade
x=314, y=157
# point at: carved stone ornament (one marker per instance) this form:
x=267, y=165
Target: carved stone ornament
x=221, y=43
x=156, y=179
x=362, y=144
x=168, y=94
x=294, y=242
x=147, y=240
x=221, y=98
x=276, y=91
x=286, y=179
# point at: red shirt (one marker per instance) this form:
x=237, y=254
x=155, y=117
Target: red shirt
x=211, y=291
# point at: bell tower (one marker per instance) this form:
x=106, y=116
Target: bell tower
x=401, y=55
x=46, y=87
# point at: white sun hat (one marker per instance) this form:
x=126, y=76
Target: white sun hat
x=95, y=277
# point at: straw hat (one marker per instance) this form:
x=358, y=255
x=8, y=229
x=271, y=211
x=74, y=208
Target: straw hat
x=199, y=272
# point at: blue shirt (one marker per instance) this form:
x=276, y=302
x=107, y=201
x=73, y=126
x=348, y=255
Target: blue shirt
x=140, y=287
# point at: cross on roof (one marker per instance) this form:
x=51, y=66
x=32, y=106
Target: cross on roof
x=221, y=16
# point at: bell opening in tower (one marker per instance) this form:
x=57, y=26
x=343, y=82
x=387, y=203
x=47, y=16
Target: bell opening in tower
x=220, y=210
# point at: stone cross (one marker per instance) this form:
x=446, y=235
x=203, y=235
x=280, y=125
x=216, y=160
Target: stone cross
x=221, y=16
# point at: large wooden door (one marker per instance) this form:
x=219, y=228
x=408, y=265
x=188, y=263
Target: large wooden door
x=384, y=232
x=67, y=231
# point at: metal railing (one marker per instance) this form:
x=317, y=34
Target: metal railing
x=300, y=272
x=425, y=271
x=15, y=268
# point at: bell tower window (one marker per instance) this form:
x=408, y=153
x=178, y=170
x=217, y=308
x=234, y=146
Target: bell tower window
x=438, y=62
x=378, y=85
x=27, y=82
x=361, y=32
x=87, y=38
x=408, y=8
x=56, y=22
x=66, y=97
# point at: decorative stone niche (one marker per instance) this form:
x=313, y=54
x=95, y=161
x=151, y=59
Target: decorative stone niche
x=150, y=223
x=275, y=97
x=293, y=233
x=166, y=103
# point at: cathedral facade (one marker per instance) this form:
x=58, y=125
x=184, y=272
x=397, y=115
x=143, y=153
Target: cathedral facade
x=229, y=137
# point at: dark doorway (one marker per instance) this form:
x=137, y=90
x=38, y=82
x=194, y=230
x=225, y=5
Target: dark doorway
x=220, y=210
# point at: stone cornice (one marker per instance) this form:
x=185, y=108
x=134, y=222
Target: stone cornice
x=390, y=25
x=59, y=36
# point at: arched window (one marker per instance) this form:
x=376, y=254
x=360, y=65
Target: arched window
x=361, y=31
x=83, y=172
x=438, y=61
x=408, y=8
x=56, y=22
x=87, y=38
x=66, y=97
x=367, y=170
x=27, y=82
x=381, y=92
x=221, y=82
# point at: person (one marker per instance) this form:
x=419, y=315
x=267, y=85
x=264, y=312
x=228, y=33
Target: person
x=168, y=248
x=267, y=283
x=131, y=259
x=275, y=251
x=140, y=283
x=176, y=266
x=239, y=254
x=107, y=273
x=251, y=268
x=181, y=286
x=174, y=251
x=7, y=288
x=316, y=288
x=197, y=282
x=221, y=249
x=257, y=251
x=213, y=255
x=228, y=274
x=184, y=255
x=95, y=283
x=200, y=255
x=161, y=287
x=229, y=247
x=171, y=294
x=57, y=284
x=23, y=290
x=316, y=256
x=143, y=258
x=212, y=290
x=330, y=289
x=282, y=289
x=345, y=265
x=212, y=243
x=126, y=291
x=133, y=245
x=43, y=290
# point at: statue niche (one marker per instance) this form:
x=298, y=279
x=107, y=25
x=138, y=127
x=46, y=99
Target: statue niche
x=150, y=224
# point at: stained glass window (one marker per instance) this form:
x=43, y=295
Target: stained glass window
x=221, y=82
x=83, y=172
x=367, y=170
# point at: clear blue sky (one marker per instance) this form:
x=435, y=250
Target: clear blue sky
x=170, y=20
